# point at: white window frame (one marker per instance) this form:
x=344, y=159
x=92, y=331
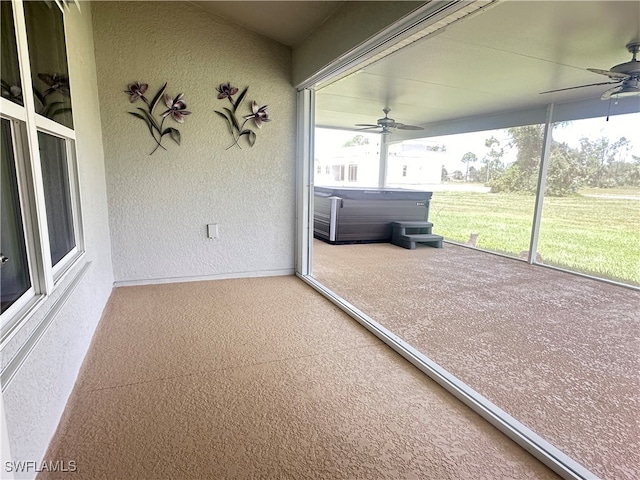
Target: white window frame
x=25, y=125
x=66, y=262
x=25, y=198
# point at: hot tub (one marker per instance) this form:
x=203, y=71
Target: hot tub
x=364, y=215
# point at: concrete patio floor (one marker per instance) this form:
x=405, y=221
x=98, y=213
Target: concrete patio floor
x=559, y=352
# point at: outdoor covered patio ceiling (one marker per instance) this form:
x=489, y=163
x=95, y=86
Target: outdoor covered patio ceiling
x=498, y=60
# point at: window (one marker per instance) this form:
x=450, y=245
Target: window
x=327, y=170
x=9, y=71
x=338, y=172
x=319, y=169
x=353, y=173
x=14, y=270
x=496, y=215
x=38, y=171
x=57, y=195
x=404, y=170
x=589, y=222
x=48, y=59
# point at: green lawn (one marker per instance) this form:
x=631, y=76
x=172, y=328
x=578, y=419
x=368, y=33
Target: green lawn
x=594, y=235
x=623, y=191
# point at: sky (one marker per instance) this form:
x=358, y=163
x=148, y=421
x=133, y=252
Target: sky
x=328, y=141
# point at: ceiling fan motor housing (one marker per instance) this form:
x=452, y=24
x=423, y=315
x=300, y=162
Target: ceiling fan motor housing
x=631, y=67
x=387, y=124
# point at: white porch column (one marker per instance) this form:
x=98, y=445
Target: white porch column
x=384, y=160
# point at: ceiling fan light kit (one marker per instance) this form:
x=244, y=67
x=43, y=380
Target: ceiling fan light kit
x=625, y=76
x=629, y=88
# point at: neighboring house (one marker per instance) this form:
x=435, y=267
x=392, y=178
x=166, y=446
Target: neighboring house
x=410, y=165
x=354, y=166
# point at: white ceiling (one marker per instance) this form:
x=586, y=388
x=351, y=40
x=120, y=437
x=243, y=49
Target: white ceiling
x=498, y=60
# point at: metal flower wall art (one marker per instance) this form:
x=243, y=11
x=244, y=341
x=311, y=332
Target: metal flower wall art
x=258, y=115
x=175, y=108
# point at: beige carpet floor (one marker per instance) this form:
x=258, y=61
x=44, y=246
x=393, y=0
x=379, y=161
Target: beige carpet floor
x=263, y=378
x=560, y=353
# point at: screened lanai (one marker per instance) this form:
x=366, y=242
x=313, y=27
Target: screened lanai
x=476, y=94
x=528, y=313
x=536, y=194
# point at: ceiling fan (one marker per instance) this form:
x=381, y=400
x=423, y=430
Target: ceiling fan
x=386, y=124
x=625, y=76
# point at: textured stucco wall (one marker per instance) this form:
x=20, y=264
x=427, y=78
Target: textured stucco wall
x=159, y=205
x=352, y=24
x=37, y=395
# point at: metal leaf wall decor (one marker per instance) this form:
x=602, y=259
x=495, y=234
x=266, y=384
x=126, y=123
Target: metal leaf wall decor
x=176, y=109
x=258, y=115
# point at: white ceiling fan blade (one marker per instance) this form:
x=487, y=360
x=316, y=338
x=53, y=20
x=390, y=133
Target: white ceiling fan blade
x=402, y=126
x=579, y=86
x=386, y=124
x=609, y=73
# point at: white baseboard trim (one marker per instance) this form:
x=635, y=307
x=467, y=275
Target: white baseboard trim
x=204, y=278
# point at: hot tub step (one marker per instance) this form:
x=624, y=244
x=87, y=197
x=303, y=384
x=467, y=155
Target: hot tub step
x=400, y=228
x=422, y=237
x=409, y=241
x=420, y=232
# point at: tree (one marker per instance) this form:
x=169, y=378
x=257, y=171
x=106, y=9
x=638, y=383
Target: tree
x=633, y=173
x=475, y=175
x=601, y=162
x=444, y=176
x=356, y=141
x=522, y=175
x=457, y=175
x=600, y=157
x=528, y=140
x=436, y=148
x=493, y=159
x=510, y=181
x=468, y=158
x=565, y=172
